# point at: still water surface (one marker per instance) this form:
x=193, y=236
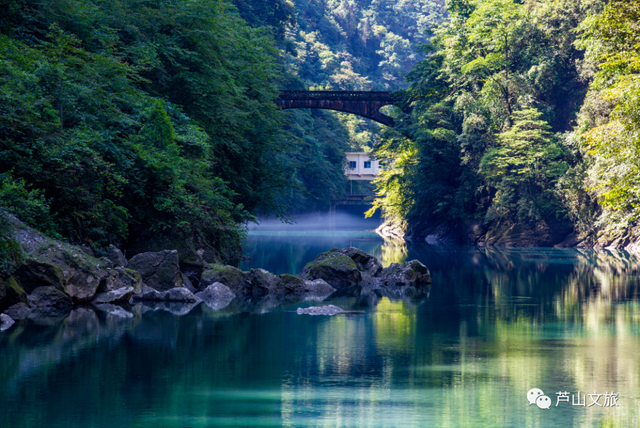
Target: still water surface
x=496, y=324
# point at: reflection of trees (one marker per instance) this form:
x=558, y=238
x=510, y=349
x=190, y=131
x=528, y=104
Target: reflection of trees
x=497, y=323
x=393, y=252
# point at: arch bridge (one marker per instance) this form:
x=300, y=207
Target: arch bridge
x=362, y=103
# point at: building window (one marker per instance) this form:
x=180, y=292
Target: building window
x=367, y=164
x=352, y=164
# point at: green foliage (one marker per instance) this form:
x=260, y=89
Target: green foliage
x=498, y=78
x=29, y=205
x=609, y=120
x=524, y=168
x=135, y=119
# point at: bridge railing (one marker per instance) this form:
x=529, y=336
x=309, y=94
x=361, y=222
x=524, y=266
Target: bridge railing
x=338, y=95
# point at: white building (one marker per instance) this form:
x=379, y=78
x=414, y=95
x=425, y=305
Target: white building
x=361, y=167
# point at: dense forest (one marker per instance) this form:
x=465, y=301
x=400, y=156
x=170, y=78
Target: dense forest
x=523, y=128
x=135, y=120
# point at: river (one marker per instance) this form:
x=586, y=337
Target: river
x=496, y=324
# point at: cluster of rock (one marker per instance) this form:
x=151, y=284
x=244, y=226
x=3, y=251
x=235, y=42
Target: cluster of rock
x=55, y=277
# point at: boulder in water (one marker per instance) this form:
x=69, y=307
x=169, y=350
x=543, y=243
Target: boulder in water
x=160, y=270
x=216, y=296
x=334, y=267
x=320, y=310
x=230, y=276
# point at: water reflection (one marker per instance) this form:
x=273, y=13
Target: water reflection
x=497, y=323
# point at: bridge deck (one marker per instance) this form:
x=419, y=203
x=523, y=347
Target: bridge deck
x=362, y=103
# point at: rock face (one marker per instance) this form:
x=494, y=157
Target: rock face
x=160, y=271
x=6, y=322
x=216, y=296
x=320, y=310
x=335, y=267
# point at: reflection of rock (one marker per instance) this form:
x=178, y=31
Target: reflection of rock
x=320, y=310
x=180, y=294
x=160, y=270
x=114, y=311
x=6, y=322
x=216, y=296
x=81, y=322
x=173, y=307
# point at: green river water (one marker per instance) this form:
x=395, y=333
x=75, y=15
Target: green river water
x=496, y=324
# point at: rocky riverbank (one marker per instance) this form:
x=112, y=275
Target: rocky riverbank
x=551, y=233
x=51, y=278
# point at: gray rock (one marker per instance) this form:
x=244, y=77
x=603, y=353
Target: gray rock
x=317, y=289
x=116, y=256
x=6, y=322
x=50, y=297
x=261, y=282
x=121, y=278
x=19, y=311
x=366, y=263
x=82, y=283
x=49, y=302
x=114, y=311
x=119, y=295
x=335, y=267
x=320, y=310
x=160, y=270
x=230, y=276
x=411, y=273
x=216, y=296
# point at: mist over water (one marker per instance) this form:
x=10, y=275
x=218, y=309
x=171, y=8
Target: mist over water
x=345, y=218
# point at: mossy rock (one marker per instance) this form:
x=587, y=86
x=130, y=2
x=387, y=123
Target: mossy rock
x=336, y=268
x=11, y=255
x=11, y=293
x=34, y=273
x=230, y=276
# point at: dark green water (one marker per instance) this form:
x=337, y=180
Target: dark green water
x=496, y=324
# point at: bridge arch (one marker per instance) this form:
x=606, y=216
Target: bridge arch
x=362, y=103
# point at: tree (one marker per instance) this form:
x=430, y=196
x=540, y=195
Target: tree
x=524, y=169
